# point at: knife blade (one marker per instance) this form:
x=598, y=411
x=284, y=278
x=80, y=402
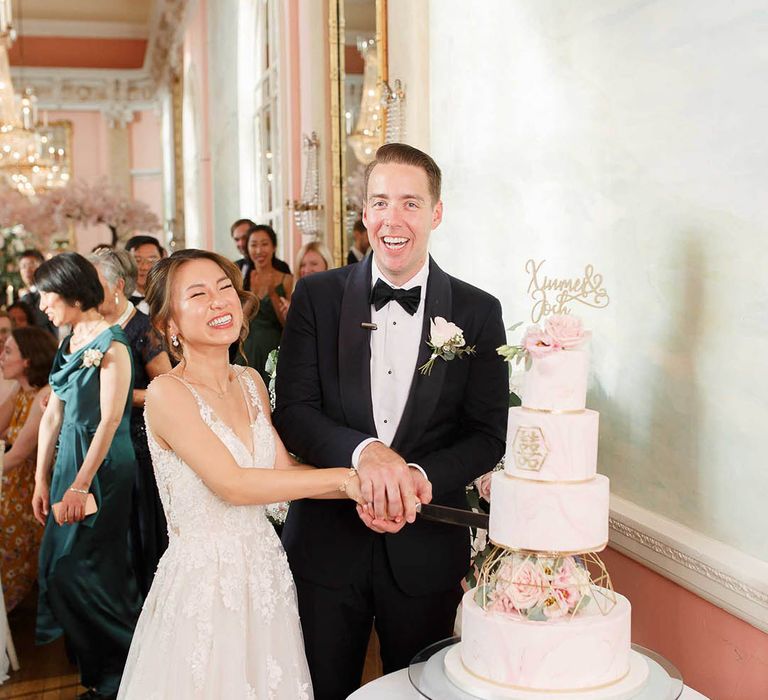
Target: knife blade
x=452, y=516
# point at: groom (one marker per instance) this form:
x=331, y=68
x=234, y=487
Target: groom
x=349, y=392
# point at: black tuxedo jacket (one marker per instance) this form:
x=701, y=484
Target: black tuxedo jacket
x=453, y=425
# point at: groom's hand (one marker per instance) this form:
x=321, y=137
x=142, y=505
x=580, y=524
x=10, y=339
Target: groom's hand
x=423, y=491
x=386, y=482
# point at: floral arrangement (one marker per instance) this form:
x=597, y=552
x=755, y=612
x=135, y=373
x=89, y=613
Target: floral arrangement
x=51, y=212
x=446, y=340
x=536, y=587
x=560, y=332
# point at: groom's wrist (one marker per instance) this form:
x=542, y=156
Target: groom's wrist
x=359, y=451
x=417, y=467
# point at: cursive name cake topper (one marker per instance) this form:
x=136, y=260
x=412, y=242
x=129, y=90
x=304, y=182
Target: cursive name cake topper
x=552, y=295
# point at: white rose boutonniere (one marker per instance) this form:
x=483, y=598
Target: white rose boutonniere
x=447, y=341
x=92, y=357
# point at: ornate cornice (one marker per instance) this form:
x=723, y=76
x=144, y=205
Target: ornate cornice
x=730, y=579
x=118, y=93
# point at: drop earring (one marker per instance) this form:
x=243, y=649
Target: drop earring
x=117, y=298
x=175, y=341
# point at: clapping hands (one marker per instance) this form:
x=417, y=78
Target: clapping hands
x=390, y=488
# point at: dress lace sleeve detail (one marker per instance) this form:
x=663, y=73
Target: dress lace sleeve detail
x=253, y=392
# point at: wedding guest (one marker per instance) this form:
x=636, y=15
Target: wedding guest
x=6, y=385
x=270, y=287
x=29, y=261
x=241, y=230
x=87, y=592
x=146, y=251
x=346, y=394
x=362, y=246
x=313, y=257
x=21, y=314
x=149, y=536
x=26, y=359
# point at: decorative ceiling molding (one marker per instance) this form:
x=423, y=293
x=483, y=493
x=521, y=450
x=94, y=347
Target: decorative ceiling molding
x=118, y=93
x=92, y=30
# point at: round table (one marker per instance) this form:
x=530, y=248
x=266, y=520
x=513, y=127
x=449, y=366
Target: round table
x=396, y=686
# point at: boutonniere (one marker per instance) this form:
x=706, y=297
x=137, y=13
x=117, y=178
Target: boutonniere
x=447, y=341
x=92, y=357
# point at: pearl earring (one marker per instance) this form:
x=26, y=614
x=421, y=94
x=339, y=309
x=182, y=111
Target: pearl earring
x=117, y=298
x=175, y=341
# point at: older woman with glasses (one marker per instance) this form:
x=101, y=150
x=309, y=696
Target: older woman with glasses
x=149, y=537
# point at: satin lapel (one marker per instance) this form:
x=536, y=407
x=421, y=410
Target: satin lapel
x=355, y=350
x=425, y=389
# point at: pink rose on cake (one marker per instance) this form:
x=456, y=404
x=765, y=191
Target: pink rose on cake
x=556, y=605
x=566, y=331
x=538, y=343
x=526, y=584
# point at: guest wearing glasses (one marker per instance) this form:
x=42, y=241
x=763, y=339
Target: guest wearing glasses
x=146, y=251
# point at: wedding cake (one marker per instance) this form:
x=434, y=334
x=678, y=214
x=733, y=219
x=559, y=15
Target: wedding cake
x=544, y=617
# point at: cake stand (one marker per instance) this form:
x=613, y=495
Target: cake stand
x=428, y=676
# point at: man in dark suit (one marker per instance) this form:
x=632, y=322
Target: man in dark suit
x=361, y=248
x=349, y=392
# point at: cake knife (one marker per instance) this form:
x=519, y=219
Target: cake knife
x=452, y=516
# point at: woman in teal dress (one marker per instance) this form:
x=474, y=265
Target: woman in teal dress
x=273, y=290
x=87, y=591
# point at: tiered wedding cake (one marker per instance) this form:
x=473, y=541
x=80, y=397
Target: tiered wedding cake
x=539, y=622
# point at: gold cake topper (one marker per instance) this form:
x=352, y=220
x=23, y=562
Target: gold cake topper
x=530, y=448
x=552, y=295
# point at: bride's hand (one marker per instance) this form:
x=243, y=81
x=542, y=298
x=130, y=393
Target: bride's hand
x=351, y=488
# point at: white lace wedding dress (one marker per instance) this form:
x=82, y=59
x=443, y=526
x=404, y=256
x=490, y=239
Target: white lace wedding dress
x=221, y=619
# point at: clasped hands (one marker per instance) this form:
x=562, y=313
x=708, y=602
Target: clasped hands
x=390, y=489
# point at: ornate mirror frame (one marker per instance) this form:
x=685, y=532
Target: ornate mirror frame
x=337, y=238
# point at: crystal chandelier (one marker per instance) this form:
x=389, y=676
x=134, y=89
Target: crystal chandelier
x=29, y=160
x=366, y=136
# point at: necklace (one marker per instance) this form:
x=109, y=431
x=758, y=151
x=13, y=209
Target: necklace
x=129, y=307
x=220, y=394
x=86, y=335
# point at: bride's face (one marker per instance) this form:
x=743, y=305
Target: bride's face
x=205, y=308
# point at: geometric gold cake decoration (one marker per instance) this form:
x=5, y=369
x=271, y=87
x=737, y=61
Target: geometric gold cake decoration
x=540, y=586
x=529, y=448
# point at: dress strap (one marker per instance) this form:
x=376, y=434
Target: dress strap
x=253, y=392
x=205, y=410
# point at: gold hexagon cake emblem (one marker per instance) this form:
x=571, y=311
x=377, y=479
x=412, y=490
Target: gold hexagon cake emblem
x=529, y=448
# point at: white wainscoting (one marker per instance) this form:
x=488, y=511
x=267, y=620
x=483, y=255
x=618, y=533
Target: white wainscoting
x=717, y=572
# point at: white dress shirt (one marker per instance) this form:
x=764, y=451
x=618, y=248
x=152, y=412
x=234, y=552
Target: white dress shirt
x=394, y=354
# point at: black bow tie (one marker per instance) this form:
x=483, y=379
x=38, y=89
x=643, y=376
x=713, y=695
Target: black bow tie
x=382, y=294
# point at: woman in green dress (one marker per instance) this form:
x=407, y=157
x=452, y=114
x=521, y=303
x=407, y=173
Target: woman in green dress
x=87, y=591
x=273, y=290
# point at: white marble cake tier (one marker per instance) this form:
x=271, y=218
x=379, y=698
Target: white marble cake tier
x=552, y=446
x=588, y=650
x=557, y=382
x=546, y=516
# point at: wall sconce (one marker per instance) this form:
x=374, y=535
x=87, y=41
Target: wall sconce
x=306, y=210
x=393, y=101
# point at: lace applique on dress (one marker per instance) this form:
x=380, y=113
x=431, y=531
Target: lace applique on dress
x=221, y=617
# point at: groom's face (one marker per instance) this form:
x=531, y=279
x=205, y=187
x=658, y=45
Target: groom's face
x=400, y=215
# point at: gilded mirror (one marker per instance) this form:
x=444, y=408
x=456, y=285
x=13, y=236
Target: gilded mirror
x=358, y=48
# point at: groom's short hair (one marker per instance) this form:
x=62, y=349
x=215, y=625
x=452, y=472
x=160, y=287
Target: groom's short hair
x=404, y=154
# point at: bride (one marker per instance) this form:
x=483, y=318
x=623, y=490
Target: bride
x=220, y=620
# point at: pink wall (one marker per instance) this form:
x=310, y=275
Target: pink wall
x=719, y=655
x=90, y=161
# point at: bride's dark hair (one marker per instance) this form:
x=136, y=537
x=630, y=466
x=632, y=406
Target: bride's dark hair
x=160, y=281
